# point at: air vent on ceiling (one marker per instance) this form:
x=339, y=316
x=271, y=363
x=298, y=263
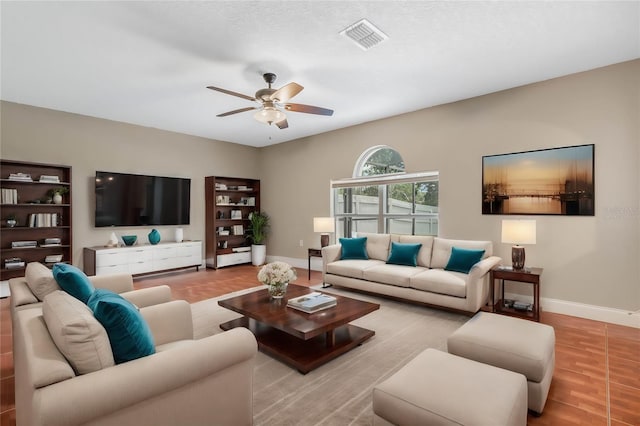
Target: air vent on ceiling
x=364, y=34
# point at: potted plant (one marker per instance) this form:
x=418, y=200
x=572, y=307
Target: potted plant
x=57, y=193
x=258, y=232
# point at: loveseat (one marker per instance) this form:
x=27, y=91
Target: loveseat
x=435, y=280
x=65, y=372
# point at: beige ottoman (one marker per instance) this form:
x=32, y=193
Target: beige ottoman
x=437, y=388
x=514, y=344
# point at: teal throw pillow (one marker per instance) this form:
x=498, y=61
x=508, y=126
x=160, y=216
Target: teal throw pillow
x=129, y=334
x=404, y=254
x=354, y=248
x=73, y=281
x=462, y=260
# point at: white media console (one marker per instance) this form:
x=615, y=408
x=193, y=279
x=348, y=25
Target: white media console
x=142, y=259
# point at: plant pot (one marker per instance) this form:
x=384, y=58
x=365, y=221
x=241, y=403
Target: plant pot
x=11, y=223
x=57, y=199
x=258, y=254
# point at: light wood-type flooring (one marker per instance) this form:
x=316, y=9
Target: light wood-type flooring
x=596, y=379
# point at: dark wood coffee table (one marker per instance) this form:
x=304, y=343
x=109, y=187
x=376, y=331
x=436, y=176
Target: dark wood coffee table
x=303, y=341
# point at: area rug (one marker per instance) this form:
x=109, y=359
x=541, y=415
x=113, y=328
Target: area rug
x=339, y=392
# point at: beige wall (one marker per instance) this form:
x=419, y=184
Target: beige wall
x=592, y=260
x=89, y=144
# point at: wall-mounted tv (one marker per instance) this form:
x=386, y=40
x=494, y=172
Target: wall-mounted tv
x=139, y=200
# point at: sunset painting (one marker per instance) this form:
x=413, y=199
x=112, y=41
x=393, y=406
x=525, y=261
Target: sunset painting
x=555, y=181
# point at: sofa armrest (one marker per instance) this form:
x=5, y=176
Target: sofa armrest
x=478, y=283
x=155, y=385
x=483, y=267
x=21, y=294
x=169, y=322
x=118, y=283
x=330, y=254
x=148, y=296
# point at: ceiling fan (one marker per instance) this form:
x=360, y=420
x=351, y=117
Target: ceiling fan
x=272, y=102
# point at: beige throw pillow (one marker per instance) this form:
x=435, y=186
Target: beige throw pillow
x=77, y=334
x=40, y=280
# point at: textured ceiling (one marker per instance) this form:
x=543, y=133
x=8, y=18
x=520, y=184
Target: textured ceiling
x=148, y=63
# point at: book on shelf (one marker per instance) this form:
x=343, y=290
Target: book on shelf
x=21, y=177
x=49, y=179
x=43, y=220
x=9, y=196
x=312, y=302
x=53, y=258
x=24, y=244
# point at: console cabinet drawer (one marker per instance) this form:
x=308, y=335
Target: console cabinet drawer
x=233, y=259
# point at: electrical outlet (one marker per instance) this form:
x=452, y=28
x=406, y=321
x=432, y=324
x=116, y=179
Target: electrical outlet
x=301, y=243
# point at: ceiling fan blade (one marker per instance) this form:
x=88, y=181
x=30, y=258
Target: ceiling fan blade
x=229, y=92
x=235, y=111
x=286, y=92
x=308, y=109
x=283, y=124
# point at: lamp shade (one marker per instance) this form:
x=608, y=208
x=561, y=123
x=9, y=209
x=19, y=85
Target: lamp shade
x=519, y=231
x=324, y=224
x=269, y=115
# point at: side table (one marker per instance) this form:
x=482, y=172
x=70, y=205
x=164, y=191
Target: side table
x=313, y=252
x=527, y=275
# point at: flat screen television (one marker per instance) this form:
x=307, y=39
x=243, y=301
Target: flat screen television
x=138, y=200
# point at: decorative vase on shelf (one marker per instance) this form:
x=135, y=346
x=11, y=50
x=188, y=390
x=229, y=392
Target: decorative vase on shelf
x=154, y=236
x=57, y=199
x=179, y=235
x=277, y=290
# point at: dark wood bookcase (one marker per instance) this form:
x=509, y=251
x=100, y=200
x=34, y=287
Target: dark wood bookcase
x=32, y=199
x=229, y=202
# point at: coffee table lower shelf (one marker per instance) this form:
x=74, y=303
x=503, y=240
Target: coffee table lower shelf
x=303, y=355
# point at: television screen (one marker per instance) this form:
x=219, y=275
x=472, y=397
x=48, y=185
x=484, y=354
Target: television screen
x=138, y=200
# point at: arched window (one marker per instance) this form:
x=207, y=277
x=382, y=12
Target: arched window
x=382, y=198
x=379, y=160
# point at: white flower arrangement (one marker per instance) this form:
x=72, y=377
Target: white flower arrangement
x=276, y=273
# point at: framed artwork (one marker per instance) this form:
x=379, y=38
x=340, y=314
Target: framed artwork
x=556, y=181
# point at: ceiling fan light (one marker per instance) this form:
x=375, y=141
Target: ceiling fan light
x=269, y=115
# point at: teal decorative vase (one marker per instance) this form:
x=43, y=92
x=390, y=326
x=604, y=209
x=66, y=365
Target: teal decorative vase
x=154, y=236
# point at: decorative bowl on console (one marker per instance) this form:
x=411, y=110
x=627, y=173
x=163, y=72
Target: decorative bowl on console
x=129, y=240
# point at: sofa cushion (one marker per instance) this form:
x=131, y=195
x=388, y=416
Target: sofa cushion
x=398, y=275
x=377, y=245
x=440, y=281
x=40, y=280
x=424, y=255
x=442, y=250
x=462, y=260
x=76, y=333
x=352, y=268
x=353, y=248
x=73, y=281
x=129, y=333
x=404, y=254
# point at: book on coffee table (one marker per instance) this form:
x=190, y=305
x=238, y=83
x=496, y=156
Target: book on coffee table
x=312, y=302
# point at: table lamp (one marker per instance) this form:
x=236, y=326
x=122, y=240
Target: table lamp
x=518, y=232
x=324, y=225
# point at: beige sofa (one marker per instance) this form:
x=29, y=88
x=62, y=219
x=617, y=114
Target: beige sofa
x=427, y=283
x=187, y=381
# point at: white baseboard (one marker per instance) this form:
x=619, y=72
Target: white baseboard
x=576, y=309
